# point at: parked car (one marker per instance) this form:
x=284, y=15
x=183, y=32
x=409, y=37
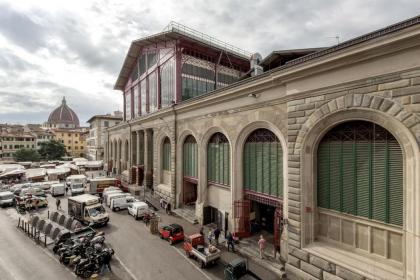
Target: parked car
x=58, y=189
x=34, y=201
x=6, y=198
x=173, y=233
x=34, y=191
x=121, y=202
x=195, y=248
x=138, y=209
x=238, y=269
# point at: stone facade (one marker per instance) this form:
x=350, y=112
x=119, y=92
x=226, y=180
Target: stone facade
x=376, y=80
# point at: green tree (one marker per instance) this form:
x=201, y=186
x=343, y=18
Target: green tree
x=52, y=150
x=27, y=155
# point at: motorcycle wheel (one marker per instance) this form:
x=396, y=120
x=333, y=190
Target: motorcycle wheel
x=87, y=274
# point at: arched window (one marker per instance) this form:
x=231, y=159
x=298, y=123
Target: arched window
x=218, y=159
x=360, y=172
x=190, y=154
x=166, y=158
x=263, y=163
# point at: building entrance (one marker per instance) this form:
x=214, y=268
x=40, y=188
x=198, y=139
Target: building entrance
x=262, y=217
x=190, y=192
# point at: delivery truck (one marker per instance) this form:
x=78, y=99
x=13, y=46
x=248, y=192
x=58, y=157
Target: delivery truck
x=97, y=185
x=88, y=210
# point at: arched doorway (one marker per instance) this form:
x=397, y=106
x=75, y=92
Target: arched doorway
x=189, y=171
x=263, y=182
x=218, y=177
x=360, y=190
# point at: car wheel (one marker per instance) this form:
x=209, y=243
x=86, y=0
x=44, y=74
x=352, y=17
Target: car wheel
x=202, y=264
x=161, y=236
x=117, y=209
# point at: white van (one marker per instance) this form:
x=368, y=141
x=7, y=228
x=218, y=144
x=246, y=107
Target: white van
x=6, y=199
x=76, y=183
x=108, y=193
x=57, y=189
x=118, y=203
x=114, y=195
x=137, y=209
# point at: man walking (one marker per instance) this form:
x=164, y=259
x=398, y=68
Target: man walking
x=229, y=239
x=216, y=235
x=106, y=262
x=58, y=203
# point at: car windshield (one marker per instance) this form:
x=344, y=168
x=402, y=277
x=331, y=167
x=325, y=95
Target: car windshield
x=93, y=212
x=77, y=186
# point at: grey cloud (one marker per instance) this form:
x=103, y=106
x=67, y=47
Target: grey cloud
x=21, y=29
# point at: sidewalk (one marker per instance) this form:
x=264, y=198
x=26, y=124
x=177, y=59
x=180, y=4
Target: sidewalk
x=267, y=268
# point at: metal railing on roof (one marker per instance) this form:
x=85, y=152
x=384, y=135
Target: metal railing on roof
x=192, y=33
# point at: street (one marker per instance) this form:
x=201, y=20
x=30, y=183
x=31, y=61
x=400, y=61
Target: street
x=22, y=259
x=138, y=253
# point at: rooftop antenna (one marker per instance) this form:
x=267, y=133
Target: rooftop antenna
x=336, y=37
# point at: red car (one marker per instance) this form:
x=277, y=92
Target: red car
x=173, y=233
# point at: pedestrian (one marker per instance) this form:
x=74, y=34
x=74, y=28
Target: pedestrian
x=261, y=245
x=67, y=189
x=36, y=204
x=229, y=240
x=216, y=235
x=106, y=262
x=58, y=203
x=202, y=231
x=168, y=208
x=210, y=236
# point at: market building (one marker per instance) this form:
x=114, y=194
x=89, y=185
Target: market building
x=95, y=142
x=324, y=140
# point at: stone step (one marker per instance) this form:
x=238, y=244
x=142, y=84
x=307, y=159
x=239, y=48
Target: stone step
x=186, y=214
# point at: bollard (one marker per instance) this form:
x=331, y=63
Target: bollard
x=18, y=223
x=45, y=240
x=48, y=213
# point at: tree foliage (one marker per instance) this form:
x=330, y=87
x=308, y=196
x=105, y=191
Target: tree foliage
x=27, y=155
x=52, y=149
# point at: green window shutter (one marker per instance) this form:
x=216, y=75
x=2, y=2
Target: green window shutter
x=263, y=168
x=246, y=169
x=279, y=170
x=379, y=205
x=226, y=164
x=274, y=169
x=166, y=161
x=396, y=199
x=349, y=178
x=266, y=167
x=363, y=152
x=252, y=167
x=335, y=176
x=323, y=175
x=360, y=172
x=259, y=157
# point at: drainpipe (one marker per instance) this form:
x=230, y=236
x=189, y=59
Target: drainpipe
x=130, y=151
x=175, y=151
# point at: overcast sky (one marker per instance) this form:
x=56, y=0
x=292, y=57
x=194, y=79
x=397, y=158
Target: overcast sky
x=53, y=48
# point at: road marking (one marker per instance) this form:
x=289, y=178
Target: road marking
x=193, y=264
x=126, y=268
x=57, y=261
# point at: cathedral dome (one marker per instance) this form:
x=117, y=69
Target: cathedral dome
x=63, y=117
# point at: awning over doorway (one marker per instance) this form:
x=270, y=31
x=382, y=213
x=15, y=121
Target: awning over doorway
x=263, y=198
